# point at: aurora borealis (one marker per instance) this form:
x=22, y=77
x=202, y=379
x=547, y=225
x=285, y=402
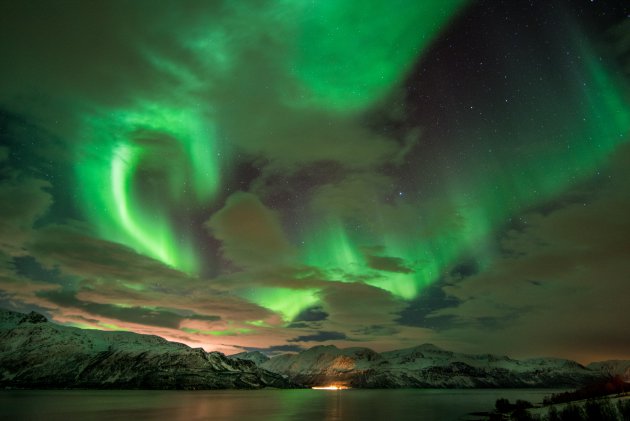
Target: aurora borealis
x=271, y=175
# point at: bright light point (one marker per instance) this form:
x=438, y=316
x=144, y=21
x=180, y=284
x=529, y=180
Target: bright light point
x=332, y=387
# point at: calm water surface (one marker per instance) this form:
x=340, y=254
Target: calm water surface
x=408, y=404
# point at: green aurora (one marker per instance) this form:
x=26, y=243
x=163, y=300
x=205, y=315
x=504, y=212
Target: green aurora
x=342, y=75
x=121, y=146
x=140, y=141
x=236, y=94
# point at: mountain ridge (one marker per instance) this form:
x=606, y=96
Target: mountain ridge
x=38, y=353
x=35, y=353
x=425, y=365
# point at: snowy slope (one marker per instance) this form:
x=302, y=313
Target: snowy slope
x=256, y=356
x=37, y=353
x=613, y=368
x=424, y=366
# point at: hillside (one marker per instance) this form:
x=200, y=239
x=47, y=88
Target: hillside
x=425, y=366
x=35, y=353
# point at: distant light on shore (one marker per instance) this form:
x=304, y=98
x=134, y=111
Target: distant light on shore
x=331, y=387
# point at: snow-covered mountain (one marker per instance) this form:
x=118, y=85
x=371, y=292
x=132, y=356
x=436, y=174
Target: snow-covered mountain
x=424, y=366
x=37, y=353
x=613, y=368
x=255, y=356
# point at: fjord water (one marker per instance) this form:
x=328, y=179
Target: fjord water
x=407, y=404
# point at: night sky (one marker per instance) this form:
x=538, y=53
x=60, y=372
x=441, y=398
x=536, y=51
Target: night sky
x=274, y=175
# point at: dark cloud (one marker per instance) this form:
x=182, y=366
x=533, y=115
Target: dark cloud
x=276, y=349
x=320, y=337
x=419, y=312
x=298, y=325
x=200, y=317
x=29, y=267
x=313, y=314
x=152, y=317
x=389, y=264
x=464, y=269
x=19, y=291
x=376, y=330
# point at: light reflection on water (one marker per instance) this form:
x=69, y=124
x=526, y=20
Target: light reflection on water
x=276, y=405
